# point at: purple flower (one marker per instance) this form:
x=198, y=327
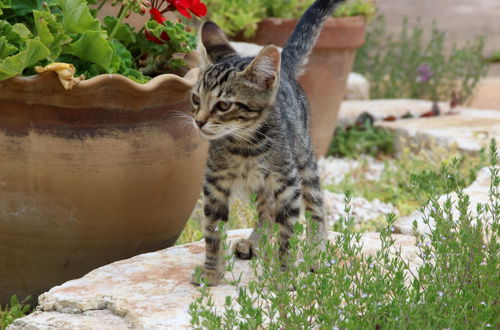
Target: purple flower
x=424, y=73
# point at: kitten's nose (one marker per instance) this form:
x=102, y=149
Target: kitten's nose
x=200, y=123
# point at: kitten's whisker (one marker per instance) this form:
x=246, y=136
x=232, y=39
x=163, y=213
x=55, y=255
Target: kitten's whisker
x=239, y=138
x=234, y=132
x=251, y=133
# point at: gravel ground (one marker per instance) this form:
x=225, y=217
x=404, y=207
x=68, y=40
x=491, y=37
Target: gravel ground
x=333, y=170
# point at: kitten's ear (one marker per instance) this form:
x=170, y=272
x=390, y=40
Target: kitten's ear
x=214, y=44
x=264, y=71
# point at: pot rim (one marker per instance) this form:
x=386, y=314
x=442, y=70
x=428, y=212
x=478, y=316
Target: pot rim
x=347, y=19
x=103, y=91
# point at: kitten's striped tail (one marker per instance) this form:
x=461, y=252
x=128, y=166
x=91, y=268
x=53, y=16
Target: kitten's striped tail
x=300, y=44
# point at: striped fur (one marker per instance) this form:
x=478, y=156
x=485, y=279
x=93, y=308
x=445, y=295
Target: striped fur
x=255, y=116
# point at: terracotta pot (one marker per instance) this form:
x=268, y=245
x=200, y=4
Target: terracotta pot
x=93, y=175
x=326, y=73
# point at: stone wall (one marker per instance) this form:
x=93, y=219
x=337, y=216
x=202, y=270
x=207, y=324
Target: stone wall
x=462, y=19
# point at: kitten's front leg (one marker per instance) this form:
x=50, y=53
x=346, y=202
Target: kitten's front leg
x=216, y=209
x=247, y=248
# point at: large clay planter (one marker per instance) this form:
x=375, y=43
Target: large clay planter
x=326, y=74
x=93, y=175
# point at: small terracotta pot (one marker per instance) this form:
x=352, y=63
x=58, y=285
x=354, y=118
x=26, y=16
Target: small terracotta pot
x=89, y=176
x=326, y=73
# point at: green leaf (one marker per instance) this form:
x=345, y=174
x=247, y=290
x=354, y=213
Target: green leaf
x=77, y=17
x=25, y=7
x=4, y=4
x=125, y=32
x=92, y=47
x=42, y=27
x=14, y=65
x=122, y=63
x=180, y=40
x=122, y=59
x=6, y=49
x=7, y=31
x=136, y=76
x=50, y=32
x=22, y=30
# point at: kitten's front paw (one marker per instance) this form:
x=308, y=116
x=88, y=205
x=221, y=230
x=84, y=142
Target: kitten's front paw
x=245, y=249
x=211, y=276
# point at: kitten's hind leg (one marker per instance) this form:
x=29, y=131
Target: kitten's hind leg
x=247, y=248
x=287, y=212
x=313, y=202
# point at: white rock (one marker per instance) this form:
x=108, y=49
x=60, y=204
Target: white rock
x=478, y=192
x=150, y=291
x=358, y=87
x=333, y=170
x=362, y=209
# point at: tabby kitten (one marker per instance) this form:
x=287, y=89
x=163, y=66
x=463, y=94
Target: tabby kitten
x=255, y=116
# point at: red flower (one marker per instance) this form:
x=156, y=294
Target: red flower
x=157, y=16
x=195, y=6
x=182, y=6
x=164, y=37
x=198, y=8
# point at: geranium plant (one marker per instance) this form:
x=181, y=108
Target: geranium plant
x=38, y=33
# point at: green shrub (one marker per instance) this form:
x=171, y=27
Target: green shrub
x=407, y=66
x=366, y=139
x=356, y=8
x=16, y=310
x=395, y=183
x=236, y=16
x=456, y=286
x=495, y=57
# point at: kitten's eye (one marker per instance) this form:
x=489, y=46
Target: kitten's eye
x=195, y=99
x=223, y=105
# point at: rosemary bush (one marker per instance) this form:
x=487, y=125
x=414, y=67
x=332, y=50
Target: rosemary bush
x=409, y=67
x=456, y=286
x=14, y=310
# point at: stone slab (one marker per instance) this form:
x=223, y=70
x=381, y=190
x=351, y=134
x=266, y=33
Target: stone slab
x=88, y=320
x=150, y=291
x=350, y=110
x=468, y=130
x=478, y=192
